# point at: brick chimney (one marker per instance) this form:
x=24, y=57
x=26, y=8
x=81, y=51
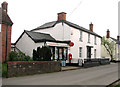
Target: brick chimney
x=91, y=27
x=118, y=38
x=61, y=16
x=4, y=6
x=108, y=34
x=6, y=29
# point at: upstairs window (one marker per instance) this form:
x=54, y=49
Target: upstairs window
x=95, y=40
x=80, y=52
x=88, y=38
x=80, y=36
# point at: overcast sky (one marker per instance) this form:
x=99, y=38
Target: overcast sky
x=29, y=14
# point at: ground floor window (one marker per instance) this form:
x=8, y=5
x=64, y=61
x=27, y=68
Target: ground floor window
x=80, y=52
x=94, y=53
x=59, y=53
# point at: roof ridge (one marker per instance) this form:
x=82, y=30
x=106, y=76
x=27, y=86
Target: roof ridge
x=36, y=32
x=53, y=23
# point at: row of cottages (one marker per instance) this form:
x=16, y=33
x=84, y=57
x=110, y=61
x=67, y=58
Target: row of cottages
x=5, y=32
x=58, y=35
x=116, y=47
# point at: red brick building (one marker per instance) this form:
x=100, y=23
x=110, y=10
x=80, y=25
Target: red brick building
x=5, y=32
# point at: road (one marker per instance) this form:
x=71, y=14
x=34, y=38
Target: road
x=100, y=75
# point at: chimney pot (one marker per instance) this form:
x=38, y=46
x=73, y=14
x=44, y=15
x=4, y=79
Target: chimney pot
x=61, y=16
x=118, y=38
x=91, y=27
x=4, y=6
x=108, y=33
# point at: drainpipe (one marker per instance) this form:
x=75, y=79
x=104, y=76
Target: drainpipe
x=6, y=43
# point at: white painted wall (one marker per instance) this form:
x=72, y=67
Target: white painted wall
x=77, y=43
x=64, y=32
x=59, y=32
x=26, y=45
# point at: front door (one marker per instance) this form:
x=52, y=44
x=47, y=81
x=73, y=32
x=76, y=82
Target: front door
x=88, y=52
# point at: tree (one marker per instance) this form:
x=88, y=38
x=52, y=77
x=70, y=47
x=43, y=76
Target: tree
x=109, y=46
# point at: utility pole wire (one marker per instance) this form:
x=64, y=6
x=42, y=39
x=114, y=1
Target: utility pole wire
x=75, y=8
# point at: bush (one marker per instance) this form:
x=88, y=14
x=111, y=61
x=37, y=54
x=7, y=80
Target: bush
x=35, y=55
x=42, y=54
x=27, y=58
x=14, y=56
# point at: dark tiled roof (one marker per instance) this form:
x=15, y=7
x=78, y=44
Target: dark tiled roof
x=36, y=36
x=4, y=18
x=52, y=24
x=117, y=42
x=114, y=39
x=40, y=37
x=47, y=25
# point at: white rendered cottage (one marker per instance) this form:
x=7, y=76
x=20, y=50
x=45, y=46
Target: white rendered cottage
x=58, y=35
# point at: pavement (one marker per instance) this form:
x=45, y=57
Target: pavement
x=66, y=68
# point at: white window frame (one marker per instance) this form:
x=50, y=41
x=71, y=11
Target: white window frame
x=95, y=53
x=80, y=52
x=95, y=40
x=88, y=38
x=80, y=36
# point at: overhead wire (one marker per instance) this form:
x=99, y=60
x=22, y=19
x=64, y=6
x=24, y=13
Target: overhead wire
x=75, y=8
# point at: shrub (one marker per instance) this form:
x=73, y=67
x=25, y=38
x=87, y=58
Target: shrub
x=27, y=58
x=46, y=53
x=14, y=56
x=35, y=55
x=42, y=54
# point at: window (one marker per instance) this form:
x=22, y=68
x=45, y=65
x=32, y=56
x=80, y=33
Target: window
x=80, y=51
x=80, y=36
x=88, y=38
x=94, y=53
x=95, y=40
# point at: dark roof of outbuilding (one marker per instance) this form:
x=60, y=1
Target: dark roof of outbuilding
x=52, y=24
x=40, y=37
x=4, y=18
x=36, y=36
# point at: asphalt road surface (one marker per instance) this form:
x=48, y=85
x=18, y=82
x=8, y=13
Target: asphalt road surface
x=100, y=75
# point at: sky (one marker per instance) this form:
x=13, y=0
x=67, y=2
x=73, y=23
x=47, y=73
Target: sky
x=29, y=14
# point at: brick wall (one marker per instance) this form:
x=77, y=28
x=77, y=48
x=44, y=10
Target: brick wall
x=32, y=67
x=3, y=30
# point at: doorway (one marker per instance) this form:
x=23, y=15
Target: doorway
x=88, y=52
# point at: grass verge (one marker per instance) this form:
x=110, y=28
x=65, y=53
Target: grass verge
x=4, y=69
